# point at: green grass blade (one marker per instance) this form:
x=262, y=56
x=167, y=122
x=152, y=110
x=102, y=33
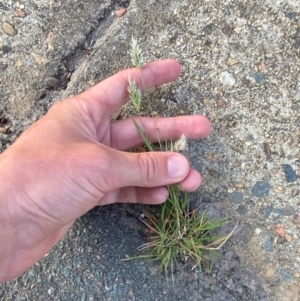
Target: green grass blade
x=145, y=139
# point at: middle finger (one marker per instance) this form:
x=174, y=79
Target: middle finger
x=124, y=134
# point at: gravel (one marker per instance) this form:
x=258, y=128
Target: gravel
x=240, y=68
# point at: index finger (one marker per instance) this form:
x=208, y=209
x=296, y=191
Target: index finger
x=111, y=93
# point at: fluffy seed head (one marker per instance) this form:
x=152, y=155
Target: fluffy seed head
x=181, y=144
x=136, y=54
x=135, y=94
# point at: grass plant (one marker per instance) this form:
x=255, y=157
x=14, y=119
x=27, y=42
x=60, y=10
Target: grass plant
x=178, y=234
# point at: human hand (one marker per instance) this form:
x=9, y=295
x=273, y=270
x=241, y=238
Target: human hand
x=73, y=159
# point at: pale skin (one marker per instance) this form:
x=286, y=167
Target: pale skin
x=74, y=159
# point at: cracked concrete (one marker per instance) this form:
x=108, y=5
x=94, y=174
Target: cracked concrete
x=241, y=69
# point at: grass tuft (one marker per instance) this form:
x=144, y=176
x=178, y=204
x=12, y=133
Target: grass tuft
x=180, y=234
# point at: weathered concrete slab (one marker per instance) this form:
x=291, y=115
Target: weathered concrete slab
x=34, y=62
x=240, y=68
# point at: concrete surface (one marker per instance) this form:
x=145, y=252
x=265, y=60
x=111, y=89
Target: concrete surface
x=241, y=69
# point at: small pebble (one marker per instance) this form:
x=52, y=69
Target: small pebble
x=51, y=291
x=296, y=219
x=280, y=230
x=131, y=294
x=20, y=13
x=222, y=103
x=222, y=169
x=231, y=62
x=67, y=272
x=142, y=268
x=276, y=214
x=19, y=63
x=3, y=7
x=288, y=237
x=257, y=231
x=270, y=273
x=121, y=12
x=215, y=174
x=257, y=76
x=236, y=197
x=261, y=66
x=272, y=213
x=241, y=209
x=9, y=29
x=198, y=270
x=151, y=90
x=294, y=192
x=196, y=163
x=107, y=288
x=52, y=82
x=290, y=174
x=228, y=30
x=269, y=245
x=261, y=189
x=227, y=79
x=288, y=210
x=289, y=15
x=202, y=72
x=39, y=58
x=145, y=285
x=238, y=30
x=226, y=11
x=268, y=211
x=284, y=275
x=250, y=203
x=206, y=101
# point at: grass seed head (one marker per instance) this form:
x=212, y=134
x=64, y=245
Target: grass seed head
x=135, y=94
x=136, y=54
x=181, y=144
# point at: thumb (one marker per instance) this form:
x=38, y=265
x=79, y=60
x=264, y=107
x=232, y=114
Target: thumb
x=150, y=169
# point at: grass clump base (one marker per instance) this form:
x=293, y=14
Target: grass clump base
x=179, y=235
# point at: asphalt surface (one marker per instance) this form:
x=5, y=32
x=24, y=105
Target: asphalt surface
x=240, y=68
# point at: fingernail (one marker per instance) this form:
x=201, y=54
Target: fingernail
x=177, y=166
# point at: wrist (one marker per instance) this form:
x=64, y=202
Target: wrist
x=26, y=232
x=14, y=219
x=7, y=220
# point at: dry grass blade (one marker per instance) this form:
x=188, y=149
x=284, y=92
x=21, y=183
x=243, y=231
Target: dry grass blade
x=221, y=241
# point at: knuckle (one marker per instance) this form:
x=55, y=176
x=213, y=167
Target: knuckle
x=148, y=164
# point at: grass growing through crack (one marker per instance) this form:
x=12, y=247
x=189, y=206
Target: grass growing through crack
x=178, y=233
